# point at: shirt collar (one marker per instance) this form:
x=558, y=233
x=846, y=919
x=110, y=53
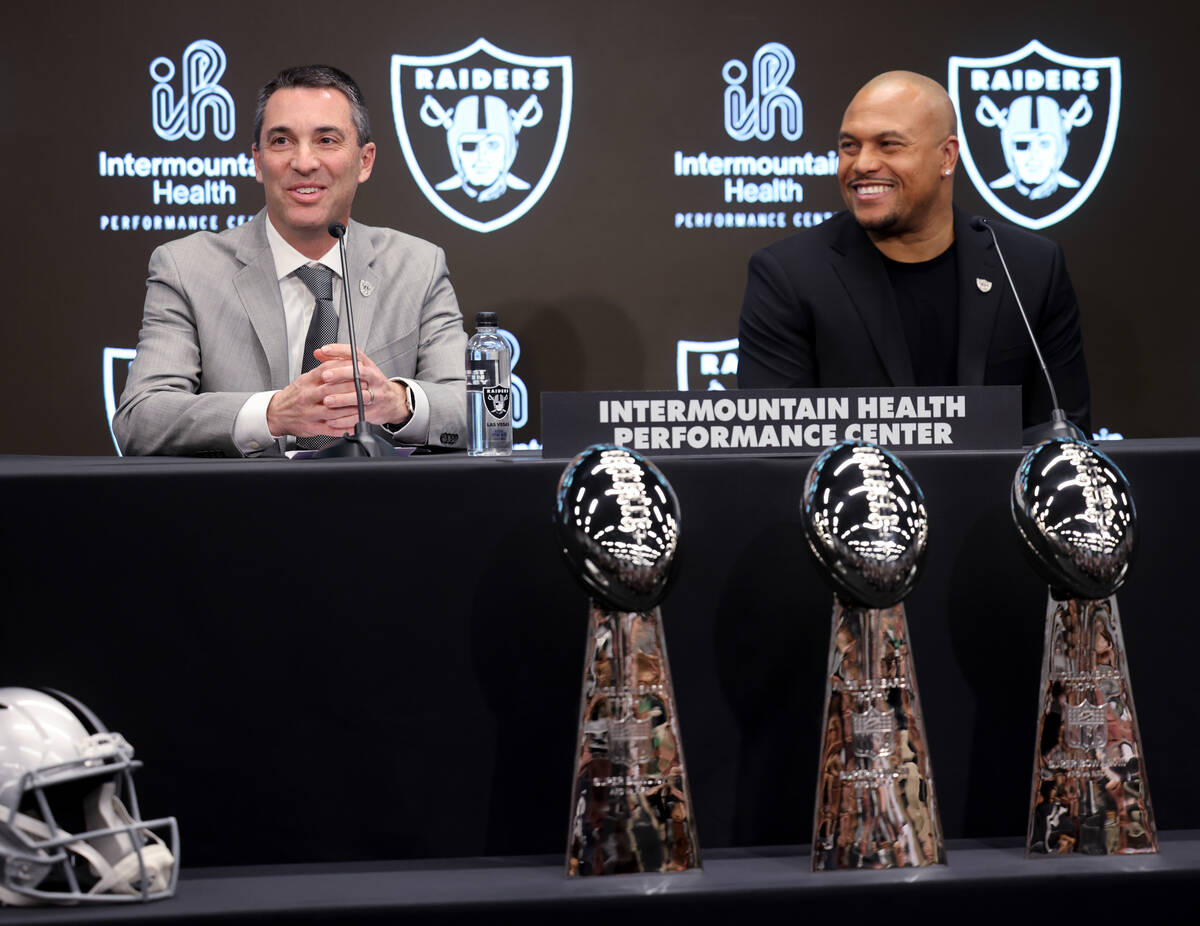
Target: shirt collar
x=288, y=260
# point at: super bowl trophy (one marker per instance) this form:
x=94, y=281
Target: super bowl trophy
x=866, y=525
x=1074, y=510
x=631, y=810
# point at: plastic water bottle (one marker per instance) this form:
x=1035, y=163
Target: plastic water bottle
x=489, y=397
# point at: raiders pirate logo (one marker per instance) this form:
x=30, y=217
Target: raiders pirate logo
x=482, y=129
x=1036, y=129
x=496, y=399
x=115, y=370
x=706, y=364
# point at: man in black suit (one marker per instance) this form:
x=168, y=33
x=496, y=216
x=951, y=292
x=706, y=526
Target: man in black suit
x=900, y=290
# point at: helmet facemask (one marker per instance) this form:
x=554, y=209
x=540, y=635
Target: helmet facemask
x=71, y=832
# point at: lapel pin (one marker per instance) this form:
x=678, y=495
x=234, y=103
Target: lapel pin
x=366, y=288
x=985, y=286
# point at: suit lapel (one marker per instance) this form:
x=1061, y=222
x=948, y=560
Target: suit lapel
x=363, y=282
x=978, y=269
x=258, y=288
x=860, y=268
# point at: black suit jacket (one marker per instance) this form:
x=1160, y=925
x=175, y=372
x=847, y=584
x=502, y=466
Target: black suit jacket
x=819, y=311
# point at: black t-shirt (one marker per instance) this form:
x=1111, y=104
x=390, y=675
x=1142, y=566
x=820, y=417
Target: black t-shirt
x=927, y=296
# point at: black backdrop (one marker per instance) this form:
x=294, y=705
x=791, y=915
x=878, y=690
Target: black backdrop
x=595, y=280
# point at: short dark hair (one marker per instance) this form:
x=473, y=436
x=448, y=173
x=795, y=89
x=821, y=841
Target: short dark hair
x=316, y=75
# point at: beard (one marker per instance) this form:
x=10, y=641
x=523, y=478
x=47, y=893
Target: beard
x=872, y=220
x=880, y=223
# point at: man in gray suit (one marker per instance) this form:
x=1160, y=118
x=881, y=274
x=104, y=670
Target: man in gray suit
x=231, y=360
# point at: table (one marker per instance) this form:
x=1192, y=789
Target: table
x=329, y=662
x=988, y=881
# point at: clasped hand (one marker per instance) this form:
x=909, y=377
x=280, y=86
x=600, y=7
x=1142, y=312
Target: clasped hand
x=322, y=401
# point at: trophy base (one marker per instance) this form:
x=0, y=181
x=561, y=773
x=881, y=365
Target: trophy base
x=875, y=806
x=631, y=808
x=1090, y=795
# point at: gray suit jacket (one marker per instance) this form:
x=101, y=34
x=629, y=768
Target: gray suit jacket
x=213, y=333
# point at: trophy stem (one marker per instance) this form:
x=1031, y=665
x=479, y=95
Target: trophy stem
x=631, y=808
x=875, y=804
x=1090, y=793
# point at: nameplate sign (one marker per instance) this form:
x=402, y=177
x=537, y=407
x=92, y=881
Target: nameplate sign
x=783, y=420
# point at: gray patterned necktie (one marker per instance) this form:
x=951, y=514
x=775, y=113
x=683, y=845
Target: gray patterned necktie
x=322, y=330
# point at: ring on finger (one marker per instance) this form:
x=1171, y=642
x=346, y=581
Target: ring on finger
x=370, y=396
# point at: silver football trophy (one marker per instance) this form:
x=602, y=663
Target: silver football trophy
x=631, y=811
x=1074, y=510
x=866, y=525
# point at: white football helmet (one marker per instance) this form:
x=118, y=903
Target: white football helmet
x=70, y=828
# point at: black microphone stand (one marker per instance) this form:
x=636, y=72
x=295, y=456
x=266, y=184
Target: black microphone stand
x=364, y=442
x=1059, y=424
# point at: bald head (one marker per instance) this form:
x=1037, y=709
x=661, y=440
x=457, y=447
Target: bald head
x=916, y=93
x=897, y=151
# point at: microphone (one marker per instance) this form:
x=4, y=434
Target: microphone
x=1058, y=425
x=364, y=442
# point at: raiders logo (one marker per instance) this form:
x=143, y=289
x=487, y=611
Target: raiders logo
x=482, y=129
x=115, y=370
x=1036, y=129
x=496, y=399
x=706, y=364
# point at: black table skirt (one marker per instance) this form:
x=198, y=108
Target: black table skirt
x=330, y=662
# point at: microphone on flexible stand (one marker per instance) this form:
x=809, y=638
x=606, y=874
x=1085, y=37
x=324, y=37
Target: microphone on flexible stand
x=1058, y=425
x=363, y=442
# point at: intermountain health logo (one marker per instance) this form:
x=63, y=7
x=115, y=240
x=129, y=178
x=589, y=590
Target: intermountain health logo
x=192, y=182
x=482, y=129
x=761, y=181
x=200, y=98
x=771, y=101
x=1036, y=129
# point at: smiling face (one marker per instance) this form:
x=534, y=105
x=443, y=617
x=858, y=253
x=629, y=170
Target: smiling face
x=897, y=152
x=310, y=164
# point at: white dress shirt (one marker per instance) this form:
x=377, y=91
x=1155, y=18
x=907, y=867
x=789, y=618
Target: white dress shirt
x=250, y=431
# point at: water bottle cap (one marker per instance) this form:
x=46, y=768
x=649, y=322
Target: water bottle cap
x=485, y=320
